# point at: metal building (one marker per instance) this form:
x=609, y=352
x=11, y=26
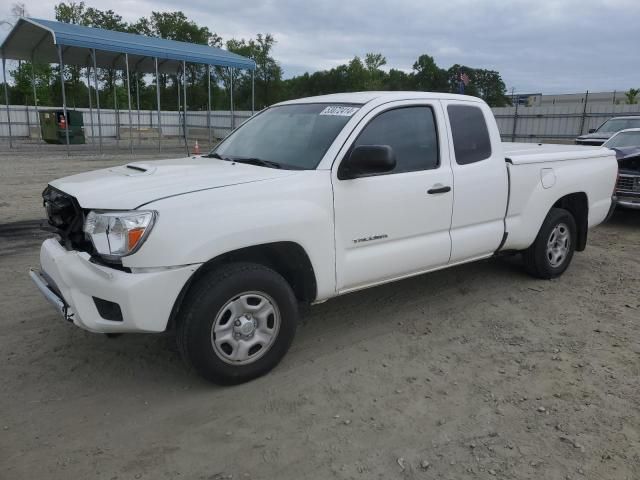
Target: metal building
x=571, y=99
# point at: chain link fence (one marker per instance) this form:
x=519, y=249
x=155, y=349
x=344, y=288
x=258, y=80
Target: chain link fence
x=117, y=130
x=555, y=124
x=552, y=124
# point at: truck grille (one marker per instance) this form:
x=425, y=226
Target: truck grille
x=628, y=183
x=66, y=217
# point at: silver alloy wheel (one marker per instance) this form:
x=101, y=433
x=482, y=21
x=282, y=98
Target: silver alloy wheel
x=245, y=328
x=558, y=245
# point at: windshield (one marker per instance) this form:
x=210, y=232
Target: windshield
x=287, y=136
x=617, y=124
x=624, y=139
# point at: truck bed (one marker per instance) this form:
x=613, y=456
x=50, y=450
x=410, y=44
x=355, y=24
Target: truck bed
x=523, y=153
x=541, y=174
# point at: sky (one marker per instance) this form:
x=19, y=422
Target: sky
x=547, y=46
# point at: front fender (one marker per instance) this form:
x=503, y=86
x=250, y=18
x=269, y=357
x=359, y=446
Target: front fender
x=199, y=226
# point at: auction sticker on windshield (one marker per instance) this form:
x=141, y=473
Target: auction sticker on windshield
x=339, y=110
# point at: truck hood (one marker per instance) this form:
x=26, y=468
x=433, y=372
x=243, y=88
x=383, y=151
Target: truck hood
x=624, y=153
x=628, y=160
x=132, y=185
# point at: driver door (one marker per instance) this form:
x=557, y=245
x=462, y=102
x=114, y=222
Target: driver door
x=395, y=224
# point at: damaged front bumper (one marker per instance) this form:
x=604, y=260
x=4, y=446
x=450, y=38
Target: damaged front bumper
x=53, y=297
x=105, y=300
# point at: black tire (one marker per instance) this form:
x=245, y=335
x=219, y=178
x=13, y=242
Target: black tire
x=536, y=259
x=202, y=305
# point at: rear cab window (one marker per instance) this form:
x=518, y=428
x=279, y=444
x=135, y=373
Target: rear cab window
x=470, y=134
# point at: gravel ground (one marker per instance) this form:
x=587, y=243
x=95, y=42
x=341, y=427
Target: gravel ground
x=472, y=372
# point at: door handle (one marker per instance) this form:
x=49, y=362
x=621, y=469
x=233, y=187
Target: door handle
x=434, y=190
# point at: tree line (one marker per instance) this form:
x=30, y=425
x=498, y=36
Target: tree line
x=270, y=86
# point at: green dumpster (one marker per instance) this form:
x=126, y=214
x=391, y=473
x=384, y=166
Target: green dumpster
x=52, y=124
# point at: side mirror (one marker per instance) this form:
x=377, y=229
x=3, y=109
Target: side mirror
x=592, y=130
x=367, y=160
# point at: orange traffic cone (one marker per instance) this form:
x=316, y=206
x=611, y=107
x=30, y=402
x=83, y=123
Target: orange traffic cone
x=196, y=148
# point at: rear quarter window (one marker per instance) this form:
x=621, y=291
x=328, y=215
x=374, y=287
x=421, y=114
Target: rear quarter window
x=471, y=140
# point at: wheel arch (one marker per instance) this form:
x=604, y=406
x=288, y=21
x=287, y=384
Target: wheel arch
x=289, y=259
x=578, y=205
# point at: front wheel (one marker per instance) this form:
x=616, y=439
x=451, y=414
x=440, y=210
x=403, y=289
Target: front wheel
x=237, y=322
x=552, y=251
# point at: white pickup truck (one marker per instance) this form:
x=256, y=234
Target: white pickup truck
x=307, y=200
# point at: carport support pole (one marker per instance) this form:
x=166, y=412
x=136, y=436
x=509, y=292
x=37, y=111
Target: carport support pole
x=184, y=105
x=35, y=95
x=233, y=116
x=64, y=98
x=26, y=111
x=179, y=107
x=158, y=105
x=209, y=102
x=115, y=108
x=95, y=80
x=138, y=105
x=253, y=92
x=93, y=141
x=126, y=61
x=6, y=98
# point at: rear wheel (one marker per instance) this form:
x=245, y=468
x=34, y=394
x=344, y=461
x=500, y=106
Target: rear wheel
x=552, y=251
x=237, y=322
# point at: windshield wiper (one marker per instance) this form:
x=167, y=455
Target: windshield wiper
x=255, y=161
x=217, y=155
x=258, y=161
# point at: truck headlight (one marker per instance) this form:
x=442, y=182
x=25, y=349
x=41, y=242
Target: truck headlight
x=117, y=234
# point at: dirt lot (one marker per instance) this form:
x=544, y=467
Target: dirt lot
x=474, y=372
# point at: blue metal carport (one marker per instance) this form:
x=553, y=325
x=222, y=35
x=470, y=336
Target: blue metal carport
x=48, y=41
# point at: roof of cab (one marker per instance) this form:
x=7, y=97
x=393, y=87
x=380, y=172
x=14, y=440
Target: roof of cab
x=361, y=98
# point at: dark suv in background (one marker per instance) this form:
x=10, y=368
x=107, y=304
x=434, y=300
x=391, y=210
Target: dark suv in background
x=597, y=136
x=626, y=144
